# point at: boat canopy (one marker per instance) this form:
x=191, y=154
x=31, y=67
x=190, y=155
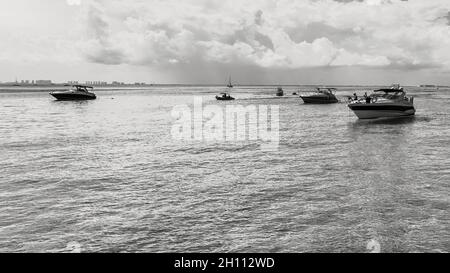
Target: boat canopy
x=326, y=89
x=82, y=86
x=395, y=88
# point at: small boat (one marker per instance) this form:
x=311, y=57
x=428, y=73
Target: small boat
x=322, y=96
x=280, y=92
x=384, y=103
x=77, y=92
x=225, y=97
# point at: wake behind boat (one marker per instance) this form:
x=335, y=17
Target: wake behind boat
x=322, y=96
x=384, y=103
x=77, y=92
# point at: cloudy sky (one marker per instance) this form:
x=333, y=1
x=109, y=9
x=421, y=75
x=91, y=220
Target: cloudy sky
x=204, y=41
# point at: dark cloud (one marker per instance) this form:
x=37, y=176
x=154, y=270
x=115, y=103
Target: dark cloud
x=98, y=30
x=264, y=40
x=444, y=19
x=97, y=26
x=258, y=17
x=249, y=34
x=107, y=56
x=318, y=30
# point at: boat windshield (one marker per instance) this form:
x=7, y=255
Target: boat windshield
x=325, y=90
x=395, y=96
x=82, y=88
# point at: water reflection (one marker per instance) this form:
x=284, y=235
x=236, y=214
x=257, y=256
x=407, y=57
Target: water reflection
x=380, y=156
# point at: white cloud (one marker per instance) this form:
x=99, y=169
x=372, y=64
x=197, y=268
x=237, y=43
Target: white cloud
x=73, y=2
x=216, y=36
x=260, y=33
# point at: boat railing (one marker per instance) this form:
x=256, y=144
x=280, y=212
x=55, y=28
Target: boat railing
x=378, y=99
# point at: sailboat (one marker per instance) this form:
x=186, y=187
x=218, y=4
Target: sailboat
x=230, y=84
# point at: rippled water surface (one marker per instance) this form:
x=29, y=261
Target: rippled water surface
x=107, y=175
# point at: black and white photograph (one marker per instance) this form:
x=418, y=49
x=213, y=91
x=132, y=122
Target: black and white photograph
x=227, y=127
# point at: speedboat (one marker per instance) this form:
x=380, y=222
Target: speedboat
x=280, y=92
x=322, y=96
x=225, y=97
x=384, y=103
x=77, y=92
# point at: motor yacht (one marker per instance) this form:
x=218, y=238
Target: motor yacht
x=225, y=97
x=77, y=92
x=321, y=96
x=384, y=103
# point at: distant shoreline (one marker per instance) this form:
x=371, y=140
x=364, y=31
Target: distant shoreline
x=11, y=88
x=61, y=85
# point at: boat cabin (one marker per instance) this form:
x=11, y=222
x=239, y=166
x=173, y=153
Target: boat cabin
x=82, y=88
x=390, y=94
x=225, y=95
x=326, y=91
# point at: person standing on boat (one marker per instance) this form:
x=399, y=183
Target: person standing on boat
x=355, y=97
x=368, y=99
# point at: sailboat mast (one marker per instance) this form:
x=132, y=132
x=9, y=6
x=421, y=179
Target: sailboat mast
x=230, y=85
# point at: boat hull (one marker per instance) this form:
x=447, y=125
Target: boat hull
x=224, y=99
x=319, y=100
x=63, y=96
x=374, y=111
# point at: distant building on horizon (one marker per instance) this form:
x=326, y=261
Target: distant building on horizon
x=97, y=83
x=44, y=82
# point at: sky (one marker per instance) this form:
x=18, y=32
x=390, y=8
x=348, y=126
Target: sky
x=337, y=42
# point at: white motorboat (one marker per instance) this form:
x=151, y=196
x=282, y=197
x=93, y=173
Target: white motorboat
x=384, y=103
x=77, y=92
x=322, y=96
